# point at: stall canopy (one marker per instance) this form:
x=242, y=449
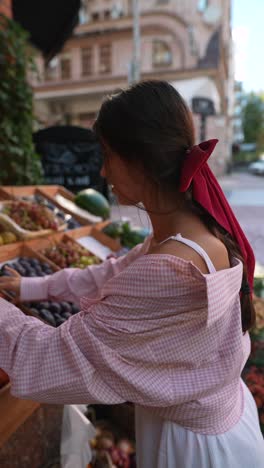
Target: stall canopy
x=48, y=22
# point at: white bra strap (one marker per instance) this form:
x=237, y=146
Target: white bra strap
x=197, y=248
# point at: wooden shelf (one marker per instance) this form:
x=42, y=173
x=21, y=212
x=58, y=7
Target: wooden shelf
x=13, y=413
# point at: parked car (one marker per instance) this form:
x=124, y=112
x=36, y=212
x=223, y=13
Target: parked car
x=257, y=167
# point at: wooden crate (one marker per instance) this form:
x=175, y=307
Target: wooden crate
x=97, y=233
x=38, y=245
x=50, y=193
x=10, y=192
x=23, y=249
x=14, y=412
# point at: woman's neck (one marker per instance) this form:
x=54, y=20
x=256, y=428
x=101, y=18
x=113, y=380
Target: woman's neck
x=184, y=222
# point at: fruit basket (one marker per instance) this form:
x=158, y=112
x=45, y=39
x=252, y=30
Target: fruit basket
x=95, y=240
x=31, y=264
x=64, y=199
x=36, y=194
x=29, y=220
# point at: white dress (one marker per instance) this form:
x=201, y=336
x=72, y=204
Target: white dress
x=165, y=444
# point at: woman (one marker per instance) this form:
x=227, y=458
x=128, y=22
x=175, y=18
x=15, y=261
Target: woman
x=165, y=326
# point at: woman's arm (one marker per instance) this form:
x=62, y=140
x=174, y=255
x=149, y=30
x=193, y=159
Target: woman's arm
x=47, y=364
x=69, y=284
x=124, y=346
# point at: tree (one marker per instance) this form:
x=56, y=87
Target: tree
x=20, y=165
x=253, y=119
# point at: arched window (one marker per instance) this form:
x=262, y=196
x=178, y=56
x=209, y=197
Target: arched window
x=162, y=55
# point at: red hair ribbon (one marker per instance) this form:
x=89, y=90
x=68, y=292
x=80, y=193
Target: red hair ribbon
x=207, y=192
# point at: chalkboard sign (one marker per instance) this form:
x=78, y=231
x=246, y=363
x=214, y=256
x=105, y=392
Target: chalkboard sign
x=71, y=156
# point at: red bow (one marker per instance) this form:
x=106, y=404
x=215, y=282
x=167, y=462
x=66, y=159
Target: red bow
x=207, y=192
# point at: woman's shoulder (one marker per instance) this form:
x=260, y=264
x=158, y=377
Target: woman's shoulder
x=213, y=247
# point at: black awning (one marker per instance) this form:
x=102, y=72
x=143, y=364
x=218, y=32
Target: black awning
x=48, y=22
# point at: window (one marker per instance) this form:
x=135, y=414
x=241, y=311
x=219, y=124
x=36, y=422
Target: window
x=162, y=55
x=107, y=14
x=95, y=16
x=51, y=70
x=65, y=65
x=202, y=5
x=105, y=58
x=87, y=61
x=83, y=13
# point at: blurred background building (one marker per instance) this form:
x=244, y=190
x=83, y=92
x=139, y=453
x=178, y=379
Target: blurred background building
x=185, y=42
x=239, y=98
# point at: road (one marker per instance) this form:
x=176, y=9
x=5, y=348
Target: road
x=245, y=194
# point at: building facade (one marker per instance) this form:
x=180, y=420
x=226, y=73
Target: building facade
x=187, y=43
x=238, y=134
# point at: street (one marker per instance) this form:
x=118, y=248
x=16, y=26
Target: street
x=245, y=193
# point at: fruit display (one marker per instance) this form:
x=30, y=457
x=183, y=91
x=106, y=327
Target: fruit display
x=27, y=266
x=70, y=254
x=128, y=235
x=109, y=449
x=66, y=218
x=54, y=313
x=7, y=237
x=254, y=378
x=94, y=202
x=259, y=308
x=31, y=216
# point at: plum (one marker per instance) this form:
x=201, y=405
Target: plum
x=47, y=271
x=34, y=262
x=54, y=307
x=60, y=322
x=34, y=311
x=65, y=307
x=66, y=315
x=75, y=309
x=21, y=270
x=56, y=316
x=44, y=305
x=45, y=314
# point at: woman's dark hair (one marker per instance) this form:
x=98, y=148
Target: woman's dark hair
x=150, y=124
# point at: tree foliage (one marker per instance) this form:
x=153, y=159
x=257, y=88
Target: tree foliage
x=253, y=119
x=19, y=164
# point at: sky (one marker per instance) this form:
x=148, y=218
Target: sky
x=248, y=34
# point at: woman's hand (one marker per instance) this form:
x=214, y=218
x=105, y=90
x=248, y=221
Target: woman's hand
x=12, y=282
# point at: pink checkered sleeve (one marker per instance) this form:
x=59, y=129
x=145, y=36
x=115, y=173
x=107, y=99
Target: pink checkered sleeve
x=71, y=284
x=114, y=350
x=48, y=364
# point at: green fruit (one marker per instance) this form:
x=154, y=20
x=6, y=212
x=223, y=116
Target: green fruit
x=113, y=229
x=8, y=237
x=94, y=202
x=131, y=236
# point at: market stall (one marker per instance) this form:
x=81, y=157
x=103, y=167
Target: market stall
x=42, y=230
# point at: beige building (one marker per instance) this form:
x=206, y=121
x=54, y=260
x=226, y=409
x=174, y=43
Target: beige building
x=185, y=42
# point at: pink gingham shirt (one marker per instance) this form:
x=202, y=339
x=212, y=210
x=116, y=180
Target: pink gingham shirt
x=153, y=330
